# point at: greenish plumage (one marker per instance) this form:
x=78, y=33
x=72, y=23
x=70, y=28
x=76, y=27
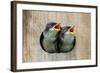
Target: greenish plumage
x=48, y=38
x=66, y=40
x=55, y=39
x=49, y=41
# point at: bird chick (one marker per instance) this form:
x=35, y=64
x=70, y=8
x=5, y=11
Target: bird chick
x=48, y=38
x=67, y=39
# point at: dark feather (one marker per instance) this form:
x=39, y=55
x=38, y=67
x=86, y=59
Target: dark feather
x=74, y=41
x=41, y=41
x=58, y=40
x=63, y=30
x=49, y=25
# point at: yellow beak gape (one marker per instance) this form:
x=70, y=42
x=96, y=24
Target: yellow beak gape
x=72, y=29
x=57, y=27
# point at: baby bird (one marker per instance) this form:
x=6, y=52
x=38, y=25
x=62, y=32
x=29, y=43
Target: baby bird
x=67, y=39
x=48, y=38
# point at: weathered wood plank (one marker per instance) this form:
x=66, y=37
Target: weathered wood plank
x=34, y=23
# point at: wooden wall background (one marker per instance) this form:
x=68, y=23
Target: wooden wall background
x=34, y=23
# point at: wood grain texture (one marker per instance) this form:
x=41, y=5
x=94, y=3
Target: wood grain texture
x=34, y=23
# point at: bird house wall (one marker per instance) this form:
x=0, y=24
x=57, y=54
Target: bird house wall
x=34, y=23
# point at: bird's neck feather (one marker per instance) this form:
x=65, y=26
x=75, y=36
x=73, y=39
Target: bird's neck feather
x=50, y=34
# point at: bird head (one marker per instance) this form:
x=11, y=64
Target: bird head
x=53, y=27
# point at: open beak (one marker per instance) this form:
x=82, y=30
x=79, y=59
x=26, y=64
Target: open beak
x=57, y=27
x=71, y=29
